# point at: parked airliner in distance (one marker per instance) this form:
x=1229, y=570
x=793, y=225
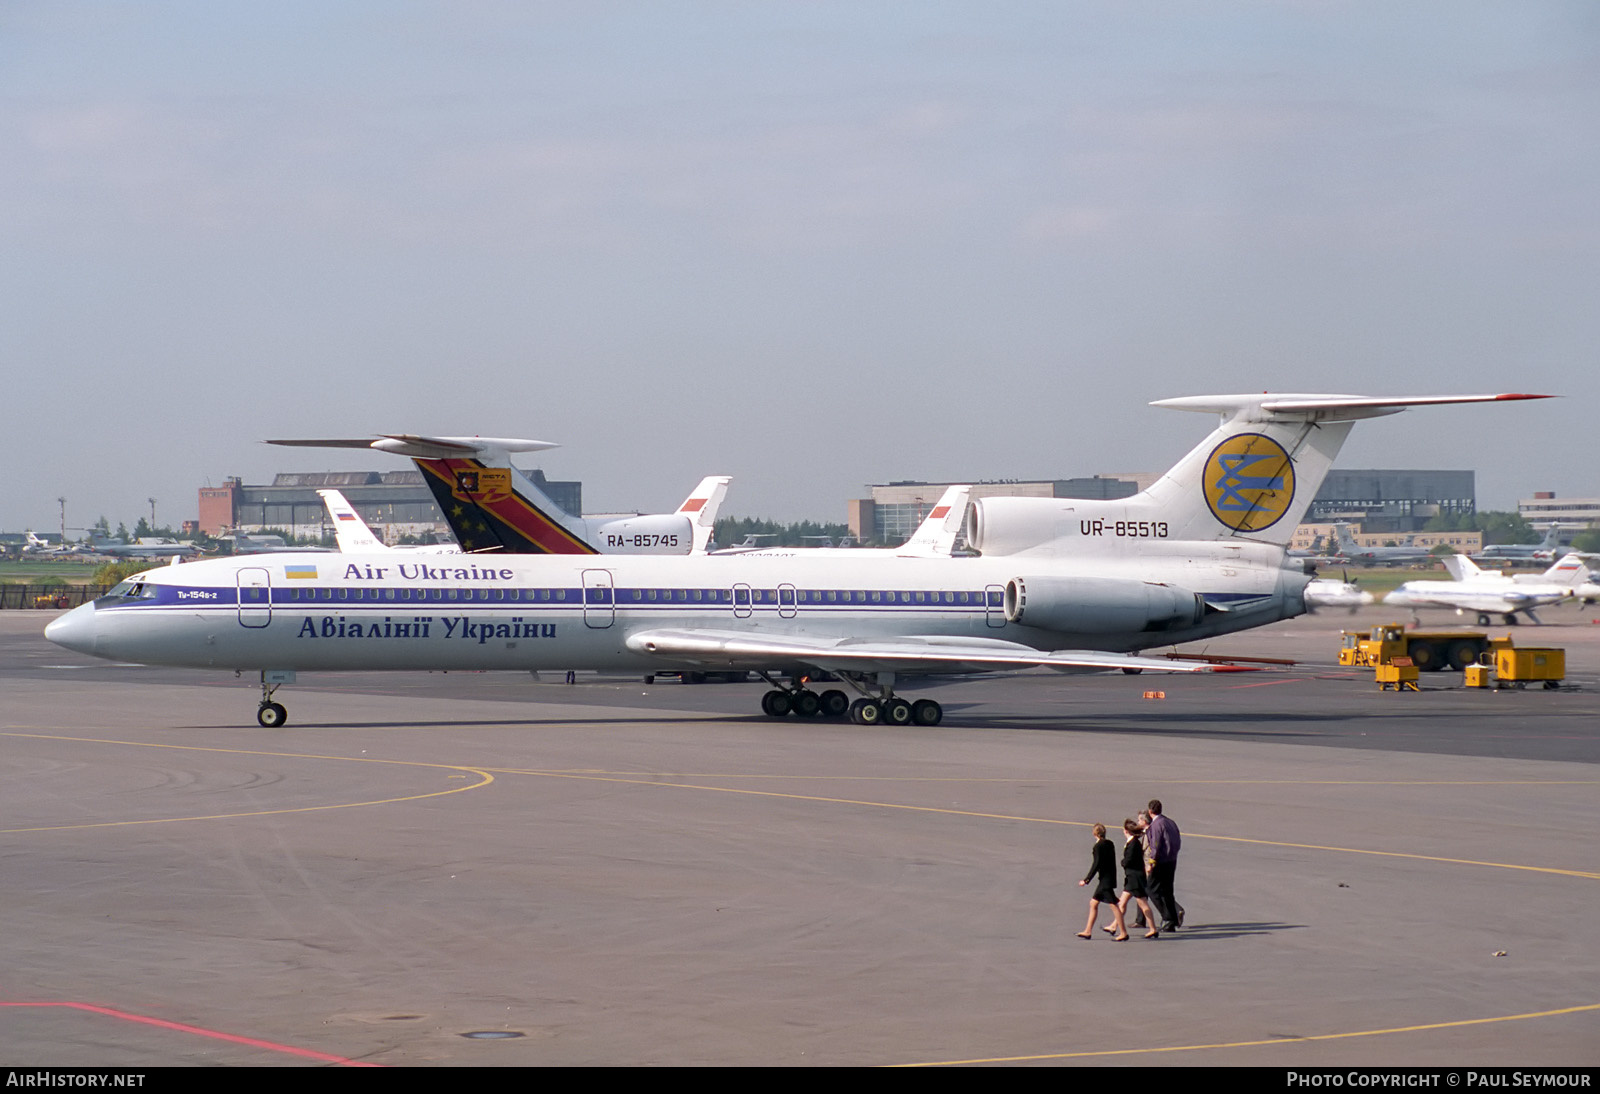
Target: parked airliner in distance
x=1351, y=551
x=1544, y=551
x=1071, y=584
x=145, y=547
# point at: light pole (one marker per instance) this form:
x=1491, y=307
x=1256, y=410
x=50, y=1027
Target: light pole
x=152, y=502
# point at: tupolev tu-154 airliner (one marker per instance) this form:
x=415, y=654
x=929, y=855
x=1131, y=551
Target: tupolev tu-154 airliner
x=1075, y=585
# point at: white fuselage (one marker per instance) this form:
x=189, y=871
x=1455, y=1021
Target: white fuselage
x=383, y=611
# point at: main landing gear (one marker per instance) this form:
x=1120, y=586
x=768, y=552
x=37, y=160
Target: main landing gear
x=884, y=707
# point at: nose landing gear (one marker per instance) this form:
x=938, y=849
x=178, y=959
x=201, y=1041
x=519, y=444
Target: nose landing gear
x=269, y=714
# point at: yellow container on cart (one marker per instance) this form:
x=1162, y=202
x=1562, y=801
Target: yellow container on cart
x=1520, y=667
x=1399, y=674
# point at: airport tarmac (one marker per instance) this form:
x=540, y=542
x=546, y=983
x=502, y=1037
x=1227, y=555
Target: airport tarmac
x=609, y=873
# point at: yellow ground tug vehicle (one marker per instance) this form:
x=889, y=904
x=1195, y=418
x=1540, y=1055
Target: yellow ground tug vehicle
x=1429, y=651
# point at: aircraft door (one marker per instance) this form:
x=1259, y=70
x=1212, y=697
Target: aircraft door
x=742, y=601
x=994, y=605
x=599, y=599
x=255, y=596
x=786, y=601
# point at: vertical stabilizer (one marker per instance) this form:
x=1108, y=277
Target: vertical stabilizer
x=702, y=506
x=1256, y=475
x=935, y=537
x=348, y=528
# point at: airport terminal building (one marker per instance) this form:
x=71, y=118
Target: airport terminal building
x=1393, y=501
x=1544, y=509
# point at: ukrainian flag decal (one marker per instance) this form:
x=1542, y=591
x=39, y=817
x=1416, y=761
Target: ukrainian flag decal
x=300, y=573
x=1249, y=482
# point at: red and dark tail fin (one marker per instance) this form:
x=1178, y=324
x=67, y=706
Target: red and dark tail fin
x=497, y=508
x=489, y=504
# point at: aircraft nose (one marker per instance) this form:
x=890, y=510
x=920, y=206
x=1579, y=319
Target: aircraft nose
x=75, y=630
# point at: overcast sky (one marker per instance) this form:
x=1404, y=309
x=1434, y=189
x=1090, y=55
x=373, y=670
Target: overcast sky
x=811, y=245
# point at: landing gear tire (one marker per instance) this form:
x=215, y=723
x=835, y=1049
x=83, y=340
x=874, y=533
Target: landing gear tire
x=866, y=712
x=1511, y=619
x=775, y=703
x=897, y=712
x=1483, y=619
x=807, y=704
x=271, y=715
x=1132, y=672
x=926, y=712
x=835, y=704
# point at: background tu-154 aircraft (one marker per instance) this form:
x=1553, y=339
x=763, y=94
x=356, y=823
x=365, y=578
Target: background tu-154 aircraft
x=1351, y=551
x=1071, y=584
x=698, y=511
x=491, y=506
x=1543, y=551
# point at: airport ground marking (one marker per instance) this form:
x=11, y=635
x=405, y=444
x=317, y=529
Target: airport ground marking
x=1094, y=780
x=485, y=779
x=200, y=1031
x=641, y=781
x=1257, y=1044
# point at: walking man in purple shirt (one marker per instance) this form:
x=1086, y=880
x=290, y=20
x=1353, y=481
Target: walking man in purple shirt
x=1161, y=844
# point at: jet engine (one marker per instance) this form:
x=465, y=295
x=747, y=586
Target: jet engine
x=1004, y=526
x=1100, y=605
x=649, y=534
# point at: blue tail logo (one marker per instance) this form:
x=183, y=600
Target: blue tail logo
x=1249, y=482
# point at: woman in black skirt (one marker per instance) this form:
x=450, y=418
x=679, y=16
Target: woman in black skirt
x=1103, y=872
x=1133, y=879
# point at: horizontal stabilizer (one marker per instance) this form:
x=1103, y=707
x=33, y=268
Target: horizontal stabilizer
x=425, y=448
x=1269, y=406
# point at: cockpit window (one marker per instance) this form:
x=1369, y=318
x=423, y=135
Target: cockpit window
x=132, y=589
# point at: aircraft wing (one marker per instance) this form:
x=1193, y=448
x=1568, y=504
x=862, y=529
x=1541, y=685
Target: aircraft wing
x=912, y=654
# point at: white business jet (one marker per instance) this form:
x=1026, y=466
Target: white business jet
x=1490, y=593
x=1070, y=584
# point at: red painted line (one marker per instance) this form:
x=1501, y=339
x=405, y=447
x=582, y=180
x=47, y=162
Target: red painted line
x=162, y=1023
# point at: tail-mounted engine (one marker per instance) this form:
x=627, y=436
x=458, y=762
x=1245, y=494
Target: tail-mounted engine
x=650, y=534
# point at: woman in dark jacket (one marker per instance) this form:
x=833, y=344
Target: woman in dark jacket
x=1133, y=878
x=1103, y=871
